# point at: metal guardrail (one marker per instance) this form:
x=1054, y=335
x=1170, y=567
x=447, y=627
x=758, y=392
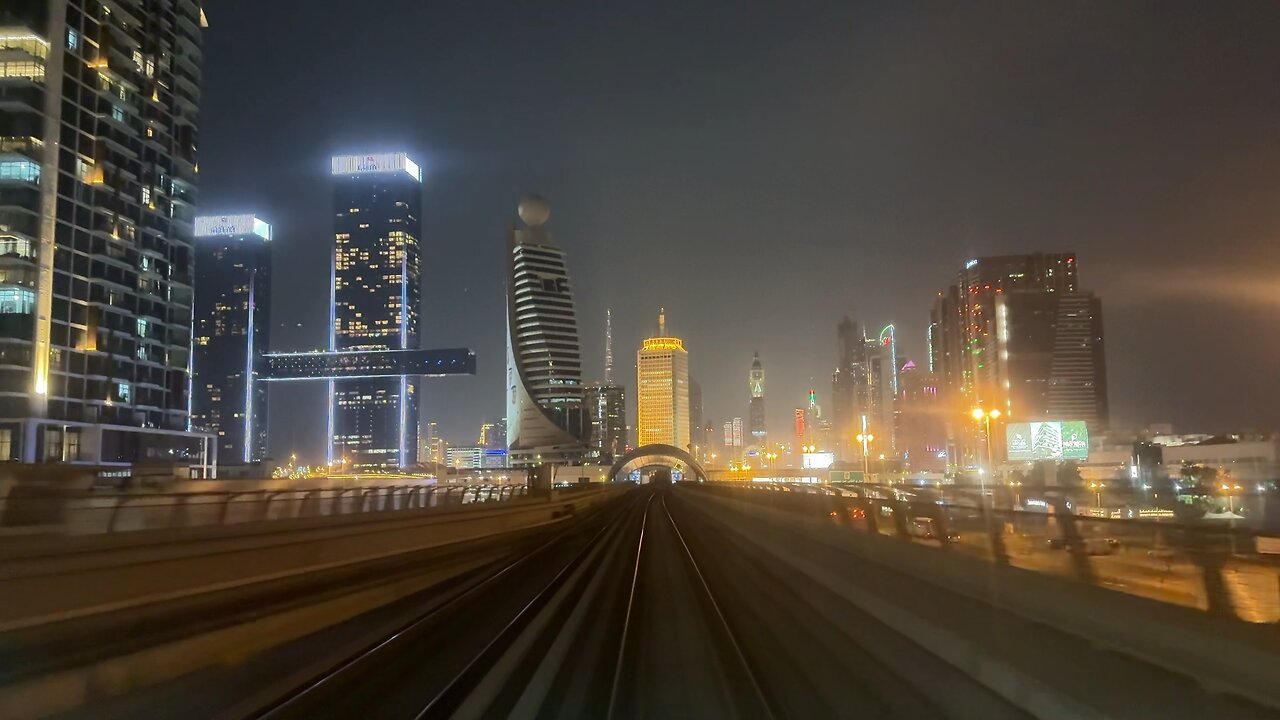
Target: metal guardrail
x=89, y=513
x=1216, y=569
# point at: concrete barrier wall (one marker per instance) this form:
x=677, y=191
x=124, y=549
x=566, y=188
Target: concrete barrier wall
x=1221, y=653
x=58, y=578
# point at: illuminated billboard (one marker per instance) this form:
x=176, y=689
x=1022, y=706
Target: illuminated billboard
x=214, y=225
x=1054, y=440
x=375, y=163
x=817, y=460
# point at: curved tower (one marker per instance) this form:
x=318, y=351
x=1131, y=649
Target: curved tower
x=544, y=362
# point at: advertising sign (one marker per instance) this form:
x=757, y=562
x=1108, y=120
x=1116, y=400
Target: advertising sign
x=1054, y=440
x=213, y=225
x=376, y=163
x=818, y=460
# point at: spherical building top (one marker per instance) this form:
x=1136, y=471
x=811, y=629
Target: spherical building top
x=534, y=210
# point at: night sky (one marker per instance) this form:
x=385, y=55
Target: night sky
x=760, y=169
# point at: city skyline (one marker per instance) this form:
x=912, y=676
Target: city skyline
x=1099, y=186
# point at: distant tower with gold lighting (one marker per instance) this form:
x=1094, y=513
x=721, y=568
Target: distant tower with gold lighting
x=662, y=385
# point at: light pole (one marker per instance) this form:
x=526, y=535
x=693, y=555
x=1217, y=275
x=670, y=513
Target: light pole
x=1097, y=488
x=1230, y=491
x=865, y=439
x=986, y=416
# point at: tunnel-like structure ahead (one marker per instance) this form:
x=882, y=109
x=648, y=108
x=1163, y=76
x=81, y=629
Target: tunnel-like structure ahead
x=657, y=455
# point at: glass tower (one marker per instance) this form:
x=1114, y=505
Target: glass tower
x=98, y=135
x=376, y=296
x=233, y=324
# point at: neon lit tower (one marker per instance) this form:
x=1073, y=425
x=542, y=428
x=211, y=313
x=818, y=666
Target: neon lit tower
x=233, y=322
x=376, y=296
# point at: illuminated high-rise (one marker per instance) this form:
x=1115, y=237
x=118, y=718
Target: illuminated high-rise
x=1016, y=333
x=863, y=388
x=98, y=138
x=376, y=299
x=662, y=390
x=233, y=325
x=755, y=384
x=546, y=422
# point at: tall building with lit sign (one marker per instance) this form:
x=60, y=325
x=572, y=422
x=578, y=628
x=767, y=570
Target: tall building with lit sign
x=546, y=422
x=662, y=390
x=1016, y=333
x=233, y=323
x=376, y=298
x=97, y=198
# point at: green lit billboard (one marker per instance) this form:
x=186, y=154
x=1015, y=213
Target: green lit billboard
x=1053, y=440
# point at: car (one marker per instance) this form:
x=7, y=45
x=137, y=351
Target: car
x=1098, y=546
x=926, y=528
x=1057, y=543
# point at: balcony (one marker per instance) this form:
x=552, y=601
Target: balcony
x=31, y=147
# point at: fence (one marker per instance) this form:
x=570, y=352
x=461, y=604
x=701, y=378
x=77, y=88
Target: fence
x=87, y=513
x=1218, y=569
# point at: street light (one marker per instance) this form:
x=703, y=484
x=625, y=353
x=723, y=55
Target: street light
x=1097, y=488
x=1230, y=491
x=865, y=439
x=986, y=416
x=1017, y=492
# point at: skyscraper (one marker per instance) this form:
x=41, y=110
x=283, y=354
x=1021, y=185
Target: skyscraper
x=863, y=388
x=545, y=419
x=376, y=298
x=493, y=435
x=97, y=197
x=848, y=388
x=662, y=384
x=1053, y=365
x=1016, y=333
x=430, y=444
x=755, y=384
x=606, y=407
x=233, y=325
x=922, y=434
x=696, y=436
